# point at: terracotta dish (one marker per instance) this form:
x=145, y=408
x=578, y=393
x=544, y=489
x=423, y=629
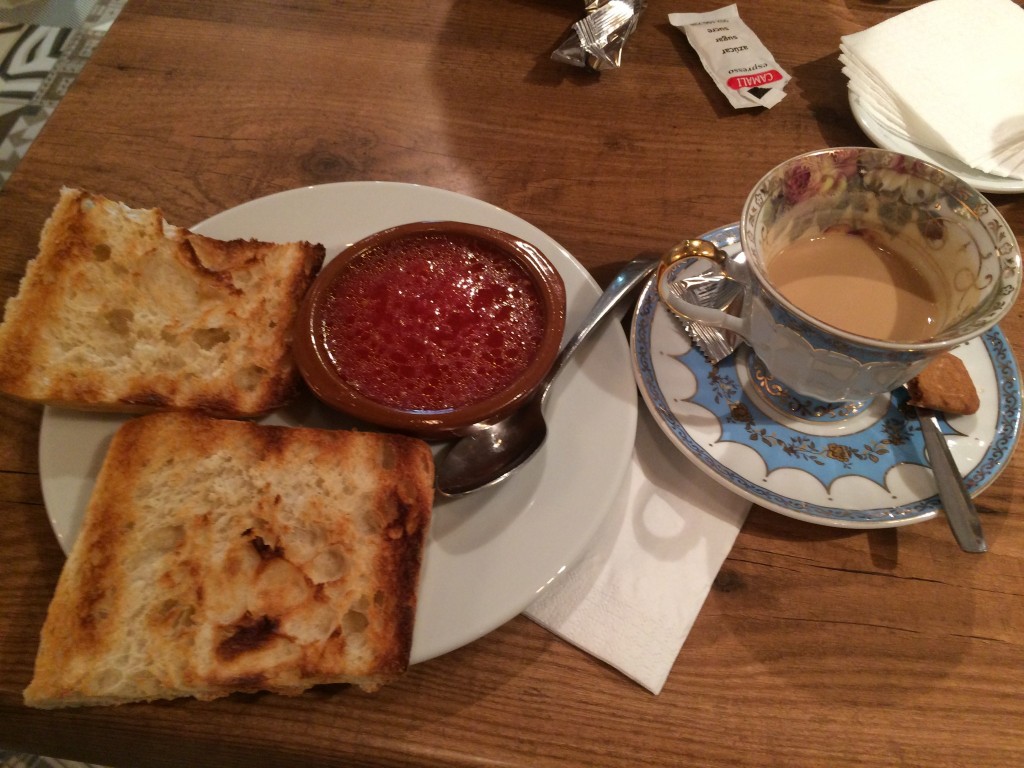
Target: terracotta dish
x=432, y=327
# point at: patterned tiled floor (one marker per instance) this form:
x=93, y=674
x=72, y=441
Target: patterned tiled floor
x=43, y=46
x=11, y=760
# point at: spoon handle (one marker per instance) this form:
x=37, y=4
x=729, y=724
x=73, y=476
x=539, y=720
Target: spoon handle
x=956, y=502
x=628, y=278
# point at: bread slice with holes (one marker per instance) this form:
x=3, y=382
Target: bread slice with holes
x=221, y=556
x=123, y=311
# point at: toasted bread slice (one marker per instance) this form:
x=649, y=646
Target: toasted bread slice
x=122, y=311
x=219, y=556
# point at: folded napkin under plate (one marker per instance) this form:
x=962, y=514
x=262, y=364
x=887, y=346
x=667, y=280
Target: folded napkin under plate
x=634, y=597
x=949, y=76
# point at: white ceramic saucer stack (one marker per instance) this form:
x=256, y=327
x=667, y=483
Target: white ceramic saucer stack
x=945, y=82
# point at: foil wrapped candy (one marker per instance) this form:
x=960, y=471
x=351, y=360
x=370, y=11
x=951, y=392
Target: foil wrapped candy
x=695, y=270
x=596, y=41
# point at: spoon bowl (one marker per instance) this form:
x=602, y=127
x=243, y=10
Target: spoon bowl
x=491, y=452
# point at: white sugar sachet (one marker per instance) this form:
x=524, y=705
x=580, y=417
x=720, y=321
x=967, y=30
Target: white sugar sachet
x=739, y=63
x=947, y=75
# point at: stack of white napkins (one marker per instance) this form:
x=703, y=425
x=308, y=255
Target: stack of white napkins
x=949, y=76
x=632, y=600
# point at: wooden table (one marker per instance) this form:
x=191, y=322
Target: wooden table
x=817, y=646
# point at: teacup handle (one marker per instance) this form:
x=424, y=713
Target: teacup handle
x=688, y=310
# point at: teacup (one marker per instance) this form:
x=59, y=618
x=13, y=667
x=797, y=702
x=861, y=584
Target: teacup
x=861, y=265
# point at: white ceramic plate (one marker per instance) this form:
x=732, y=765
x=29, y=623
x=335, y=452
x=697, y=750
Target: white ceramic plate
x=834, y=466
x=886, y=139
x=489, y=553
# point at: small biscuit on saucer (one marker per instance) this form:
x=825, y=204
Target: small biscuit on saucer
x=945, y=385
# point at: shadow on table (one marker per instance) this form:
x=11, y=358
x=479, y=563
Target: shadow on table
x=824, y=88
x=821, y=629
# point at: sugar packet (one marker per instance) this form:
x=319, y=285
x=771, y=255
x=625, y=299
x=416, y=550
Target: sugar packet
x=742, y=68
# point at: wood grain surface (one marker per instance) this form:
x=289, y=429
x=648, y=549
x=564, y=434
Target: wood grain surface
x=816, y=646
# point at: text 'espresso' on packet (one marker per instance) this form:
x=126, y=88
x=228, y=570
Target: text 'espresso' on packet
x=742, y=68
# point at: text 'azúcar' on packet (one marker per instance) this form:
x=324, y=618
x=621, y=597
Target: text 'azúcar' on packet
x=742, y=68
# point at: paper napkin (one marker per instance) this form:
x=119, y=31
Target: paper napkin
x=947, y=75
x=634, y=597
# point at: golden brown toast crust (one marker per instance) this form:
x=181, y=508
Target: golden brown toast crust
x=122, y=311
x=220, y=556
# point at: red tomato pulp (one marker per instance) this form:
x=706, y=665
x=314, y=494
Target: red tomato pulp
x=432, y=322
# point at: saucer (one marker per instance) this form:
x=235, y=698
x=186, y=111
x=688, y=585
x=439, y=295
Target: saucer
x=887, y=139
x=858, y=465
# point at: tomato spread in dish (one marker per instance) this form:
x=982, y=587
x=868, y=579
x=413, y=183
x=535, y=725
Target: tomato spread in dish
x=432, y=322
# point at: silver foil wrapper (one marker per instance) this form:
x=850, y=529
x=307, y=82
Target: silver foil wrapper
x=596, y=41
x=701, y=281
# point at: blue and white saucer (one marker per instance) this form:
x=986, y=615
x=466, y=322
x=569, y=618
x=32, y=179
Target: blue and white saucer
x=855, y=466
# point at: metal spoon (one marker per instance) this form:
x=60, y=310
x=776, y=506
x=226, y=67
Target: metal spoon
x=491, y=452
x=956, y=501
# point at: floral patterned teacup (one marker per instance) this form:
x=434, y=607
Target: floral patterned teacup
x=968, y=244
